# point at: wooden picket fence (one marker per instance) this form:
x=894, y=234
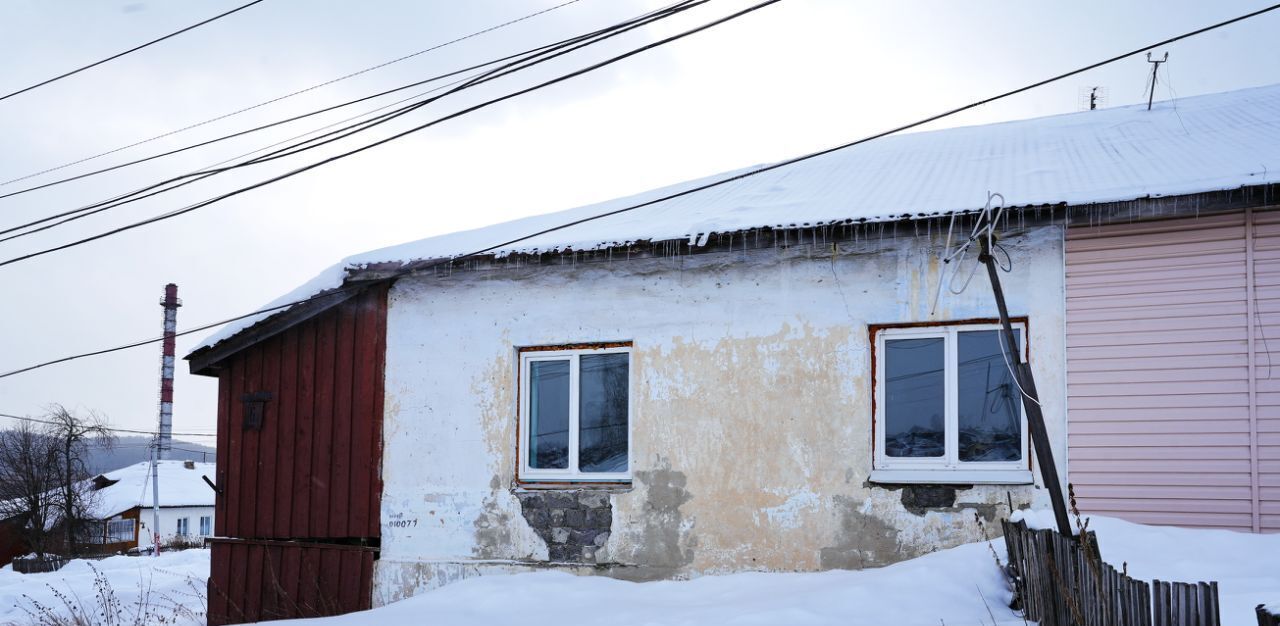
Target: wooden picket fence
x=39, y=566
x=1063, y=581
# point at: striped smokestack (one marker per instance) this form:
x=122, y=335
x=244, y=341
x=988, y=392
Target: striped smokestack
x=170, y=304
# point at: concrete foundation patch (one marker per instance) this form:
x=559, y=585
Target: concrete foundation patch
x=574, y=524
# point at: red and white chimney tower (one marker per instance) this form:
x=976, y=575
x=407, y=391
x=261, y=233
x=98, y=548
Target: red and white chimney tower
x=164, y=436
x=170, y=304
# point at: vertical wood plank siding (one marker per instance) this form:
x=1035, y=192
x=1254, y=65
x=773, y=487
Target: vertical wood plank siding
x=309, y=477
x=1169, y=422
x=310, y=471
x=288, y=581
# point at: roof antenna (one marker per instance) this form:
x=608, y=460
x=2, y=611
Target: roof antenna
x=1092, y=97
x=1155, y=67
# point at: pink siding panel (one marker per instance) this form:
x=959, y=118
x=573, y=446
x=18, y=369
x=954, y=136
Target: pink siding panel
x=1266, y=285
x=1190, y=349
x=1150, y=413
x=1152, y=300
x=1198, y=387
x=1193, y=520
x=1204, y=400
x=1080, y=451
x=1170, y=507
x=1145, y=428
x=1155, y=374
x=1163, y=425
x=1166, y=479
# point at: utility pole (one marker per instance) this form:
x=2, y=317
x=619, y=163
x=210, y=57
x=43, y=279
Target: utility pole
x=1155, y=67
x=1031, y=398
x=164, y=435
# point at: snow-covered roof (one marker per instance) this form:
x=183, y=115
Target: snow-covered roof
x=1199, y=144
x=179, y=486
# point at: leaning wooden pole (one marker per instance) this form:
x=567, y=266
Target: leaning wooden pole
x=1035, y=417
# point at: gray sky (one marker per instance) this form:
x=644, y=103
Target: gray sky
x=796, y=76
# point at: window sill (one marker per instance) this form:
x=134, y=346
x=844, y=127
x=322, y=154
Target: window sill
x=526, y=485
x=944, y=477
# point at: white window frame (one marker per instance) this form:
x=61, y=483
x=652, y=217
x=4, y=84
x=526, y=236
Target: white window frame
x=206, y=525
x=184, y=527
x=571, y=474
x=948, y=468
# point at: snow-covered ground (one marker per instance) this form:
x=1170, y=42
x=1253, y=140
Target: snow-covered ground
x=951, y=585
x=173, y=585
x=956, y=587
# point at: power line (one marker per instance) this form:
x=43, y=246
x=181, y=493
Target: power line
x=130, y=50
x=528, y=57
x=767, y=168
x=197, y=329
x=250, y=130
x=288, y=95
x=121, y=199
x=383, y=119
x=116, y=430
x=348, y=288
x=148, y=446
x=760, y=170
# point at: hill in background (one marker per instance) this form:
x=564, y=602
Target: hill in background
x=133, y=449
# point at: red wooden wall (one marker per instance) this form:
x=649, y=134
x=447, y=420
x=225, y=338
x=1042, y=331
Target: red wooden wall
x=269, y=580
x=311, y=472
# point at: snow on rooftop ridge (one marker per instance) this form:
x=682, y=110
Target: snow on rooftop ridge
x=1191, y=145
x=179, y=486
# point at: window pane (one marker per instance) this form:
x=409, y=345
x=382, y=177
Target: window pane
x=549, y=414
x=120, y=530
x=990, y=415
x=602, y=413
x=914, y=400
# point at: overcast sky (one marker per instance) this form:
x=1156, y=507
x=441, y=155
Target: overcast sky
x=793, y=77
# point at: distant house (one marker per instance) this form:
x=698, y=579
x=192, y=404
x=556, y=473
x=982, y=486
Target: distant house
x=756, y=377
x=122, y=501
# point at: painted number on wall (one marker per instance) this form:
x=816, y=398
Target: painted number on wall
x=403, y=523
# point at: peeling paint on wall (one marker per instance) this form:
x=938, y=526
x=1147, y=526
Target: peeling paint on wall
x=751, y=422
x=861, y=539
x=574, y=524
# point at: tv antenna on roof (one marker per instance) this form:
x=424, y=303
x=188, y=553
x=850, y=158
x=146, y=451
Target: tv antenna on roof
x=1092, y=97
x=1155, y=67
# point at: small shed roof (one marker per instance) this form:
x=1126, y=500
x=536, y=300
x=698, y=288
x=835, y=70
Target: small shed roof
x=1191, y=145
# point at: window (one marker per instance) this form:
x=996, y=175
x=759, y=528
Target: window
x=184, y=526
x=119, y=530
x=206, y=525
x=947, y=407
x=575, y=407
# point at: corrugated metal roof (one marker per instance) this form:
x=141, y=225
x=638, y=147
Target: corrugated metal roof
x=1205, y=143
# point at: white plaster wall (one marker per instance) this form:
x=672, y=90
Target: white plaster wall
x=751, y=398
x=169, y=523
